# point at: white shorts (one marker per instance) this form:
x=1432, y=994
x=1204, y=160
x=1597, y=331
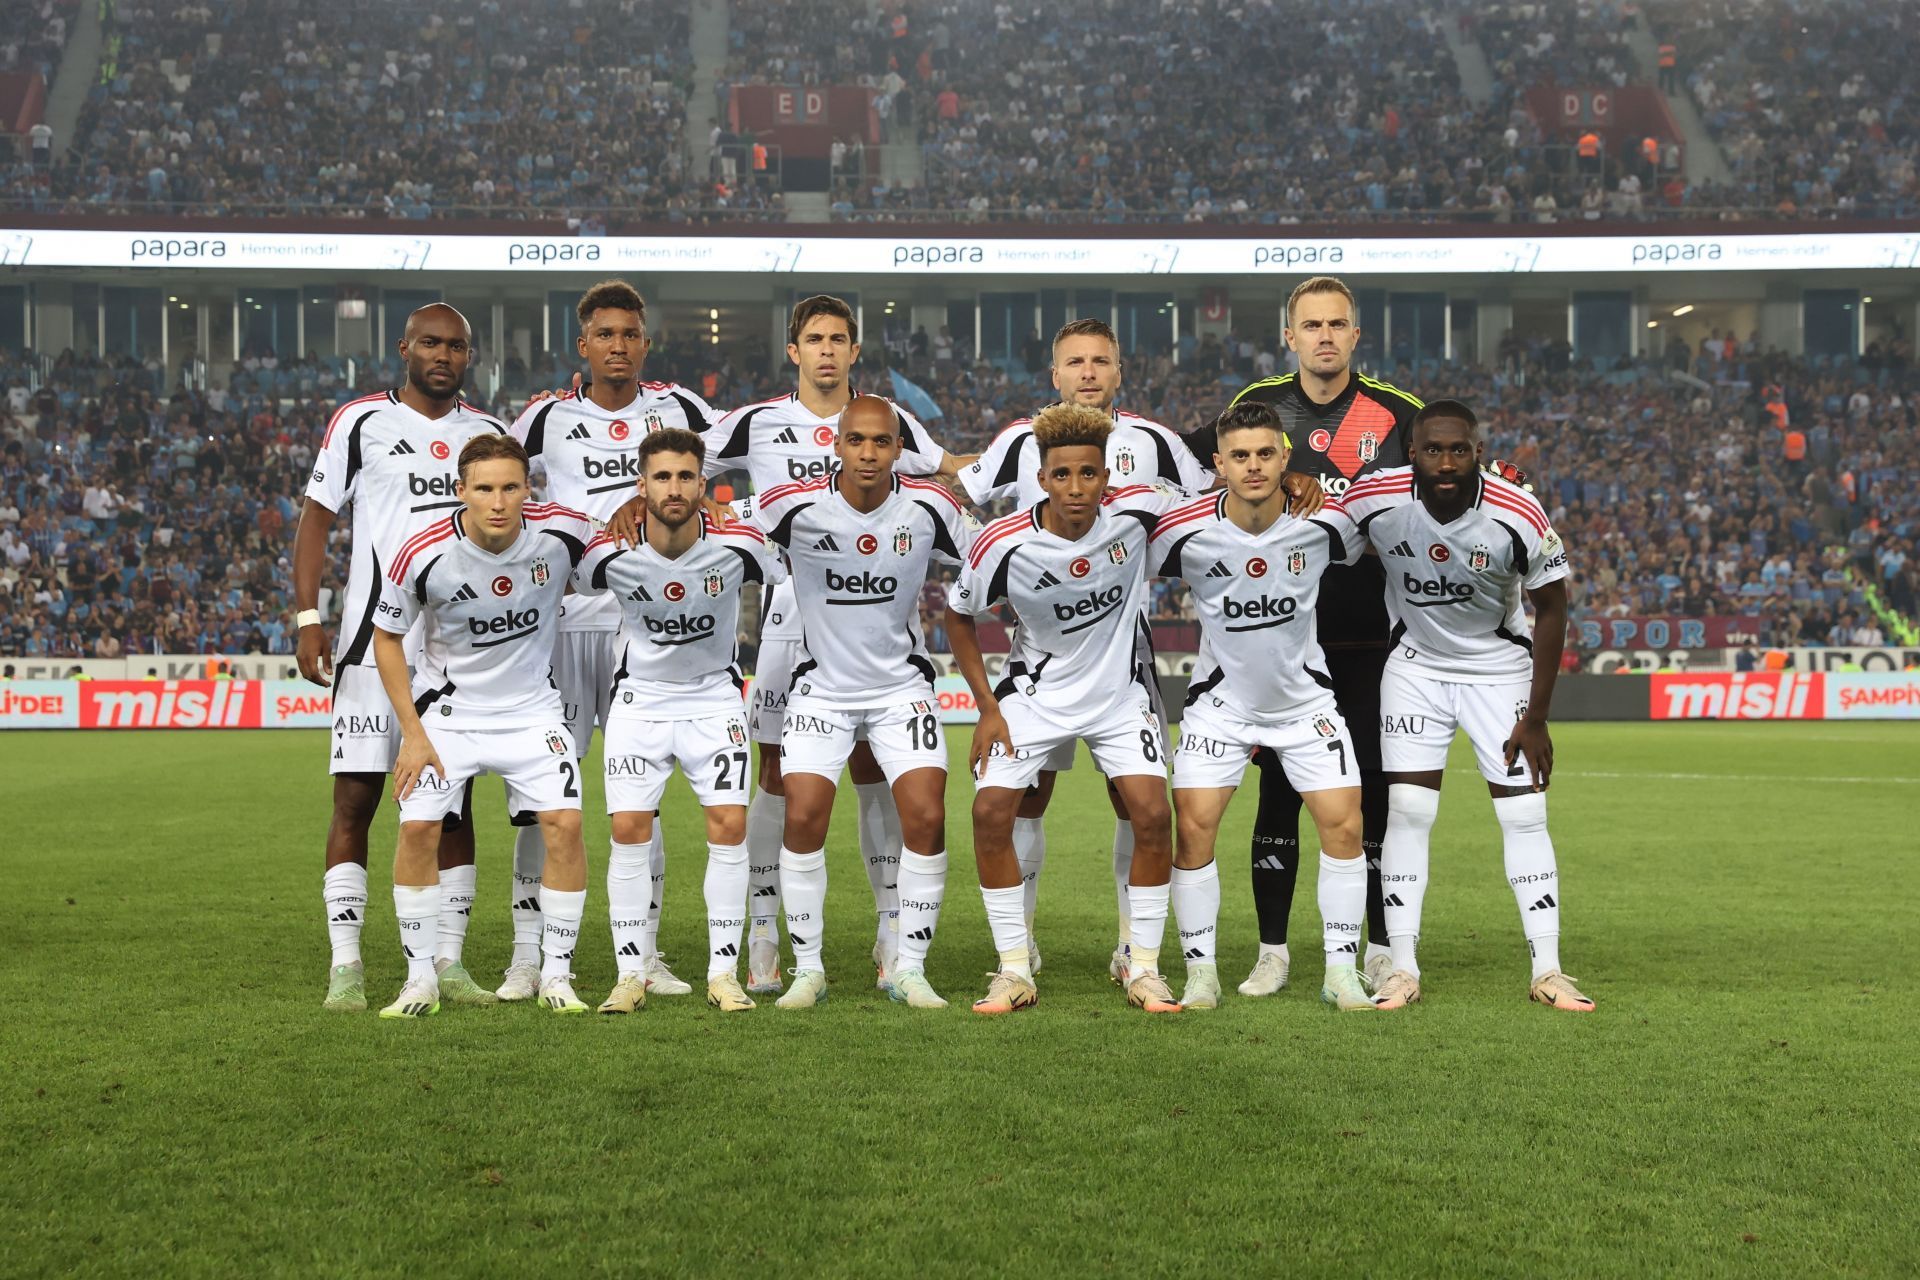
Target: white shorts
x=904, y=737
x=1215, y=746
x=583, y=666
x=1129, y=741
x=711, y=750
x=537, y=764
x=772, y=681
x=365, y=736
x=1419, y=716
x=1060, y=759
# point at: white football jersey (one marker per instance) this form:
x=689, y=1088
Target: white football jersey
x=1254, y=595
x=1454, y=590
x=1139, y=451
x=679, y=618
x=1081, y=605
x=587, y=458
x=490, y=618
x=779, y=442
x=398, y=469
x=857, y=579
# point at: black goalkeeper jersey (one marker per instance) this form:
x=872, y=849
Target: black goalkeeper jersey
x=1365, y=428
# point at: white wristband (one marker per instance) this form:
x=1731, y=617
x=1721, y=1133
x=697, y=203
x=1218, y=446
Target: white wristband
x=307, y=618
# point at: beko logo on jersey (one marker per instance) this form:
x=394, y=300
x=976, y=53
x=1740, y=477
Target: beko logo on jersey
x=168, y=250
x=1444, y=592
x=798, y=470
x=440, y=486
x=1261, y=611
x=877, y=588
x=545, y=251
x=623, y=466
x=1094, y=602
x=511, y=625
x=1297, y=255
x=684, y=629
x=937, y=255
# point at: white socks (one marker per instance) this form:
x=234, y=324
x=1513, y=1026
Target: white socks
x=1343, y=907
x=923, y=886
x=803, y=879
x=1196, y=911
x=1030, y=848
x=1404, y=857
x=417, y=908
x=1007, y=919
x=529, y=862
x=880, y=844
x=629, y=890
x=457, y=887
x=560, y=911
x=657, y=893
x=766, y=824
x=344, y=888
x=726, y=892
x=1532, y=872
x=1122, y=868
x=1149, y=903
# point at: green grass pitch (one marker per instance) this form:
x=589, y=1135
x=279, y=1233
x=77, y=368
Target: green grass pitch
x=1739, y=899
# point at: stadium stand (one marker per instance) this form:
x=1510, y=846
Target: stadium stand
x=405, y=110
x=33, y=33
x=133, y=520
x=1811, y=103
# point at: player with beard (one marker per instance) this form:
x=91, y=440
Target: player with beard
x=1343, y=425
x=791, y=439
x=1461, y=548
x=392, y=456
x=582, y=444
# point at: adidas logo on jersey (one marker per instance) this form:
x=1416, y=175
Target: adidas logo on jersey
x=579, y=432
x=1046, y=580
x=827, y=544
x=1219, y=570
x=466, y=592
x=786, y=437
x=1544, y=903
x=402, y=448
x=1400, y=549
x=640, y=593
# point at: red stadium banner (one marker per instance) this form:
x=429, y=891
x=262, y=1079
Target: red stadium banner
x=169, y=704
x=1721, y=695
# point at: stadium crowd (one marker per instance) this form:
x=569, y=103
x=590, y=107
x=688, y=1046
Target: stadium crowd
x=405, y=110
x=508, y=109
x=1809, y=102
x=34, y=32
x=137, y=519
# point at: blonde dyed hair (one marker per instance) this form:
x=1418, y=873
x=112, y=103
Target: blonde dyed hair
x=1061, y=426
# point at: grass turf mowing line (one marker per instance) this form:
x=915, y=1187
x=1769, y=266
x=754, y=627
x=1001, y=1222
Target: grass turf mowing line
x=174, y=1099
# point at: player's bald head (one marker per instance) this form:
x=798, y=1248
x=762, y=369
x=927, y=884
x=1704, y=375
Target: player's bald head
x=868, y=413
x=440, y=318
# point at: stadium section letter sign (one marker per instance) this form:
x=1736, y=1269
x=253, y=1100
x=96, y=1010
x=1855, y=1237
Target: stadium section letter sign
x=883, y=255
x=1669, y=633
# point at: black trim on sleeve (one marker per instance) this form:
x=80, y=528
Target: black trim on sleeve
x=1335, y=542
x=782, y=533
x=749, y=564
x=599, y=575
x=537, y=430
x=1171, y=567
x=575, y=547
x=737, y=446
x=354, y=460
x=907, y=443
x=1009, y=472
x=997, y=585
x=1163, y=454
x=942, y=539
x=696, y=421
x=420, y=587
x=1519, y=548
x=363, y=631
